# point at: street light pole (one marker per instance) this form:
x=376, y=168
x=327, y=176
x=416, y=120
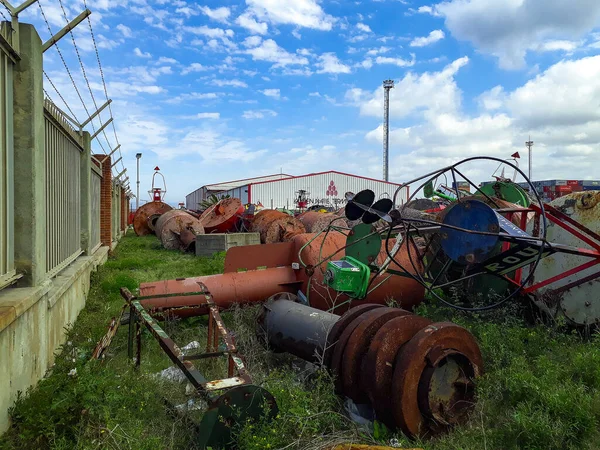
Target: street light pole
x=137, y=196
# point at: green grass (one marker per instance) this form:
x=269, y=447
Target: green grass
x=540, y=390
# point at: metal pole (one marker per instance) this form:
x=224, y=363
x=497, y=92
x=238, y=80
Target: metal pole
x=529, y=144
x=387, y=85
x=137, y=197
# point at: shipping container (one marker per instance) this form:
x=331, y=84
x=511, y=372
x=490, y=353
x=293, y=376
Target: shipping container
x=572, y=182
x=560, y=182
x=591, y=183
x=563, y=189
x=326, y=188
x=577, y=188
x=591, y=188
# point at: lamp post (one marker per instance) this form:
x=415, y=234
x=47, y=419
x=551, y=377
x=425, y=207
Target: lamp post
x=137, y=196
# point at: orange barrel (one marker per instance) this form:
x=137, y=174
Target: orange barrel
x=276, y=226
x=153, y=210
x=406, y=292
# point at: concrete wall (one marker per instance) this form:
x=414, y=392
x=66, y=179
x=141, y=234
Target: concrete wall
x=35, y=309
x=32, y=322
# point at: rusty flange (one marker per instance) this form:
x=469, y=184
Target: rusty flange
x=337, y=330
x=378, y=363
x=434, y=370
x=140, y=220
x=358, y=345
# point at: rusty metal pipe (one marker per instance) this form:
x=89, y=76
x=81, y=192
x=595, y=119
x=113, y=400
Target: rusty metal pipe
x=253, y=286
x=296, y=328
x=417, y=376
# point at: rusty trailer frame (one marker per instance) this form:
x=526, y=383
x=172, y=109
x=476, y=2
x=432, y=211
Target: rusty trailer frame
x=231, y=401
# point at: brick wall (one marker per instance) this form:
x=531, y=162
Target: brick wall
x=105, y=200
x=123, y=210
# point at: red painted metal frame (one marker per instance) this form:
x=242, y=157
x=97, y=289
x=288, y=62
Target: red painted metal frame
x=568, y=224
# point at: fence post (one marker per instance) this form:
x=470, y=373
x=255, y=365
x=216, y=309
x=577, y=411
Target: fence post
x=29, y=160
x=86, y=193
x=105, y=201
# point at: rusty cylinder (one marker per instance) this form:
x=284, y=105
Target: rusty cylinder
x=169, y=226
x=315, y=221
x=143, y=218
x=296, y=328
x=253, y=286
x=315, y=252
x=224, y=217
x=276, y=226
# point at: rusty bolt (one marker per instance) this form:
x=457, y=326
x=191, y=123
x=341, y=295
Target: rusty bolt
x=470, y=258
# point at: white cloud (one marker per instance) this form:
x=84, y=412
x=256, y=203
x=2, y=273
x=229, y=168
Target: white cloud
x=364, y=28
x=232, y=83
x=165, y=60
x=247, y=21
x=558, y=45
x=210, y=32
x=302, y=13
x=396, y=61
x=208, y=115
x=141, y=54
x=414, y=93
x=193, y=96
x=187, y=11
x=314, y=94
x=296, y=34
x=268, y=50
x=568, y=93
x=194, y=68
x=259, y=114
x=378, y=51
x=275, y=93
x=493, y=99
x=433, y=37
x=252, y=41
x=219, y=14
x=508, y=29
x=329, y=63
x=125, y=30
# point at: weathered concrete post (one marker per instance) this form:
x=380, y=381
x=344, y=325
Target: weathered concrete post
x=86, y=193
x=29, y=160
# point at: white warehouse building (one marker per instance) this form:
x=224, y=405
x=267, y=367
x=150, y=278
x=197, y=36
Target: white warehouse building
x=323, y=188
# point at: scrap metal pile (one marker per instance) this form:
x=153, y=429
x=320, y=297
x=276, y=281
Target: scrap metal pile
x=484, y=249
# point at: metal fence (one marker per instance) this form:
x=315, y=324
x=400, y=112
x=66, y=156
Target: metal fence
x=116, y=211
x=63, y=202
x=7, y=267
x=95, y=208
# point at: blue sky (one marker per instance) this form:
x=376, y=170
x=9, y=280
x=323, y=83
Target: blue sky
x=218, y=90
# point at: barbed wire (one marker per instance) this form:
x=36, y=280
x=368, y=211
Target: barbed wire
x=69, y=73
x=85, y=77
x=101, y=71
x=2, y=12
x=60, y=96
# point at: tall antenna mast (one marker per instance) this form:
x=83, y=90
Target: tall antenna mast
x=529, y=144
x=387, y=85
